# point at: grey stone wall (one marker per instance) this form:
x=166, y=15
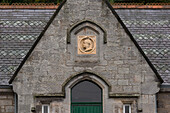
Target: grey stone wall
x=6, y=101
x=163, y=98
x=125, y=69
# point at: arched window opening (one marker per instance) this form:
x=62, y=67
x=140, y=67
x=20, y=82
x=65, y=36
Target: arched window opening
x=86, y=97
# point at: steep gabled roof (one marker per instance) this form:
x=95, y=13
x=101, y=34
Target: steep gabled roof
x=134, y=41
x=18, y=31
x=151, y=29
x=17, y=60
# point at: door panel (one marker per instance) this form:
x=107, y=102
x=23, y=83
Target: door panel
x=86, y=108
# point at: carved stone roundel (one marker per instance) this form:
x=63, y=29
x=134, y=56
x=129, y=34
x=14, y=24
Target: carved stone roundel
x=86, y=45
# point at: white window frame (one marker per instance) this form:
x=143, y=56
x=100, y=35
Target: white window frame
x=129, y=108
x=47, y=106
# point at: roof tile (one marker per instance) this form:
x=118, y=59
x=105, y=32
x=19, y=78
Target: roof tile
x=18, y=30
x=151, y=29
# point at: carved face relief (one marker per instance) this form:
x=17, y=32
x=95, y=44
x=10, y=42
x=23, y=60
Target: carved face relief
x=86, y=44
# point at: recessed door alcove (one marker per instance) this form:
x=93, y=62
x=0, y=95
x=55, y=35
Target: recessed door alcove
x=86, y=97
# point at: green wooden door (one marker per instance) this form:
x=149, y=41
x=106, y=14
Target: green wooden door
x=86, y=108
x=86, y=97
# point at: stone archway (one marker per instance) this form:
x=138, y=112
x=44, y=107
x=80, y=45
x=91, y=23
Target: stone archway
x=92, y=78
x=86, y=97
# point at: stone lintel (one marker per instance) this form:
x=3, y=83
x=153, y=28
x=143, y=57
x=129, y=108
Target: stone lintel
x=119, y=95
x=61, y=95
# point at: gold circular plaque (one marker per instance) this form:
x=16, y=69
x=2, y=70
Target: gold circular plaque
x=87, y=45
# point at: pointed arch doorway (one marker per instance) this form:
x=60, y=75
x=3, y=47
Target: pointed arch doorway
x=86, y=97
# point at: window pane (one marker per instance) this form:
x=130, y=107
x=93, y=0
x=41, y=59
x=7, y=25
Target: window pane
x=86, y=92
x=127, y=109
x=45, y=109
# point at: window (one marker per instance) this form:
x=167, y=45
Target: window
x=126, y=108
x=86, y=91
x=86, y=97
x=45, y=109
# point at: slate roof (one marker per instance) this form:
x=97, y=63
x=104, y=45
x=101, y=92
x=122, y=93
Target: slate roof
x=151, y=29
x=20, y=28
x=18, y=31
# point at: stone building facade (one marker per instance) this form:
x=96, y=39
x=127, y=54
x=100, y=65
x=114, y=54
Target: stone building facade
x=6, y=100
x=55, y=65
x=163, y=100
x=85, y=41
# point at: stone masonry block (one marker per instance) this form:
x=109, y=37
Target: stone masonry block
x=3, y=96
x=118, y=62
x=5, y=102
x=128, y=89
x=123, y=70
x=122, y=82
x=145, y=98
x=9, y=108
x=78, y=69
